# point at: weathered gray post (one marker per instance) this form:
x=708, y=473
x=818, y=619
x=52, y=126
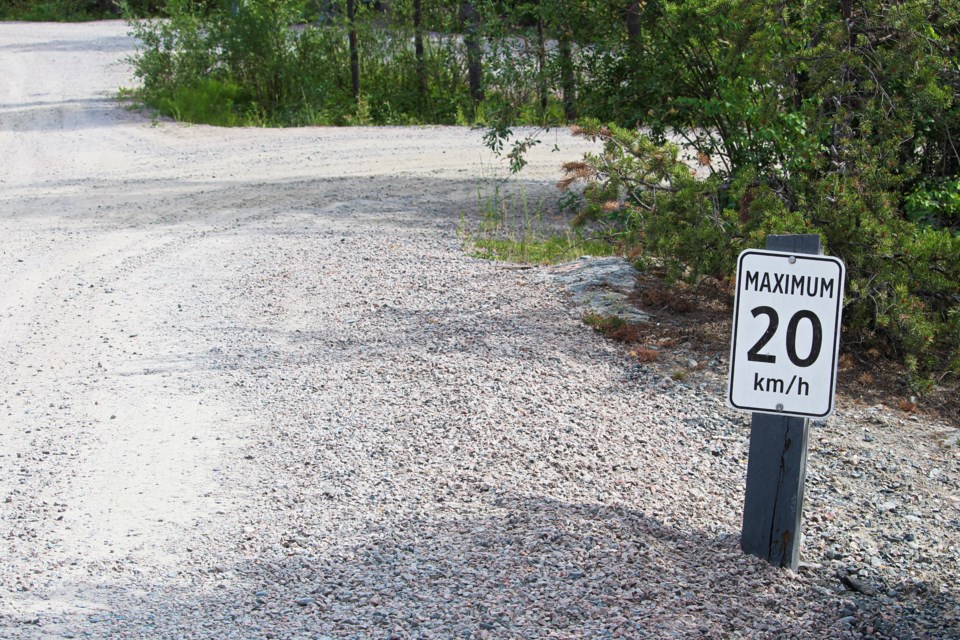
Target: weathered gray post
x=777, y=465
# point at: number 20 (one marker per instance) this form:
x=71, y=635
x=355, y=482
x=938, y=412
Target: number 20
x=774, y=322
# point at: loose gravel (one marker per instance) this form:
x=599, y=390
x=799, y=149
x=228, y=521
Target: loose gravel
x=253, y=388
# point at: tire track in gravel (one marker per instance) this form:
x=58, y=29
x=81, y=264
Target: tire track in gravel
x=121, y=428
x=126, y=459
x=252, y=388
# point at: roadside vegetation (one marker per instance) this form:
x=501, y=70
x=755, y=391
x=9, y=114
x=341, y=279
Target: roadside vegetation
x=514, y=226
x=71, y=10
x=841, y=119
x=347, y=62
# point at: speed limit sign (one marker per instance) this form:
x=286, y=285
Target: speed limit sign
x=786, y=333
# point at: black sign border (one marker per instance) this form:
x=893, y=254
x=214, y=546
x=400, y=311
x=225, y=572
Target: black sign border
x=835, y=346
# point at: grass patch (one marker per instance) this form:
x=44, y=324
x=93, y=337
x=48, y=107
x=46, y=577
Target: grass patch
x=547, y=250
x=514, y=229
x=208, y=101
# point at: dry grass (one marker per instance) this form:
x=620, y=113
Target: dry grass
x=645, y=355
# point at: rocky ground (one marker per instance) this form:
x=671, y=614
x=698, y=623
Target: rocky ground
x=252, y=387
x=865, y=485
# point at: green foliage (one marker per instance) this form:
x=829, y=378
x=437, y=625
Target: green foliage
x=292, y=73
x=513, y=229
x=301, y=74
x=903, y=293
x=935, y=204
x=208, y=101
x=51, y=10
x=541, y=248
x=604, y=324
x=70, y=10
x=839, y=119
x=651, y=199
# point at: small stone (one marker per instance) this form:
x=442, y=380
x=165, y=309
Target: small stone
x=858, y=585
x=305, y=602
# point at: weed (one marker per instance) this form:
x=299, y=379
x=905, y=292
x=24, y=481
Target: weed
x=604, y=324
x=513, y=228
x=548, y=250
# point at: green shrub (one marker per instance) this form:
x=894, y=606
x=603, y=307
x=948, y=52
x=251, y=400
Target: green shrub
x=174, y=52
x=935, y=204
x=209, y=101
x=839, y=119
x=292, y=58
x=903, y=290
x=294, y=74
x=71, y=10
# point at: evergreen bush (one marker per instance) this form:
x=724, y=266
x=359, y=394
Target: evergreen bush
x=835, y=119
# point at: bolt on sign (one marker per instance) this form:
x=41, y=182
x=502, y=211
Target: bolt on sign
x=786, y=333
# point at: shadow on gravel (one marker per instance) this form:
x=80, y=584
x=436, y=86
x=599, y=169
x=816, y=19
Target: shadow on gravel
x=540, y=568
x=410, y=202
x=548, y=568
x=68, y=115
x=582, y=570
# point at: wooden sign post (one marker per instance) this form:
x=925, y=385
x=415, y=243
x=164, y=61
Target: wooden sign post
x=782, y=369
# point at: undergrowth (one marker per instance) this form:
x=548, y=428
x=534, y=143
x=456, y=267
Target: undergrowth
x=511, y=228
x=288, y=63
x=70, y=10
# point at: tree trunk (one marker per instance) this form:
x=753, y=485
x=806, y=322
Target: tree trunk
x=471, y=39
x=568, y=83
x=632, y=18
x=541, y=61
x=418, y=49
x=354, y=48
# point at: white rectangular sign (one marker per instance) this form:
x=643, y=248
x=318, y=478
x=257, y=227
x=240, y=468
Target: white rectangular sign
x=786, y=333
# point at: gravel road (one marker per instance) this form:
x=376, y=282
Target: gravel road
x=252, y=387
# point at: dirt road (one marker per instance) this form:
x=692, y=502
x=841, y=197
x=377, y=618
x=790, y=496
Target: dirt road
x=252, y=388
x=125, y=242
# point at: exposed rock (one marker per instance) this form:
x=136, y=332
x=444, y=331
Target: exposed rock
x=599, y=285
